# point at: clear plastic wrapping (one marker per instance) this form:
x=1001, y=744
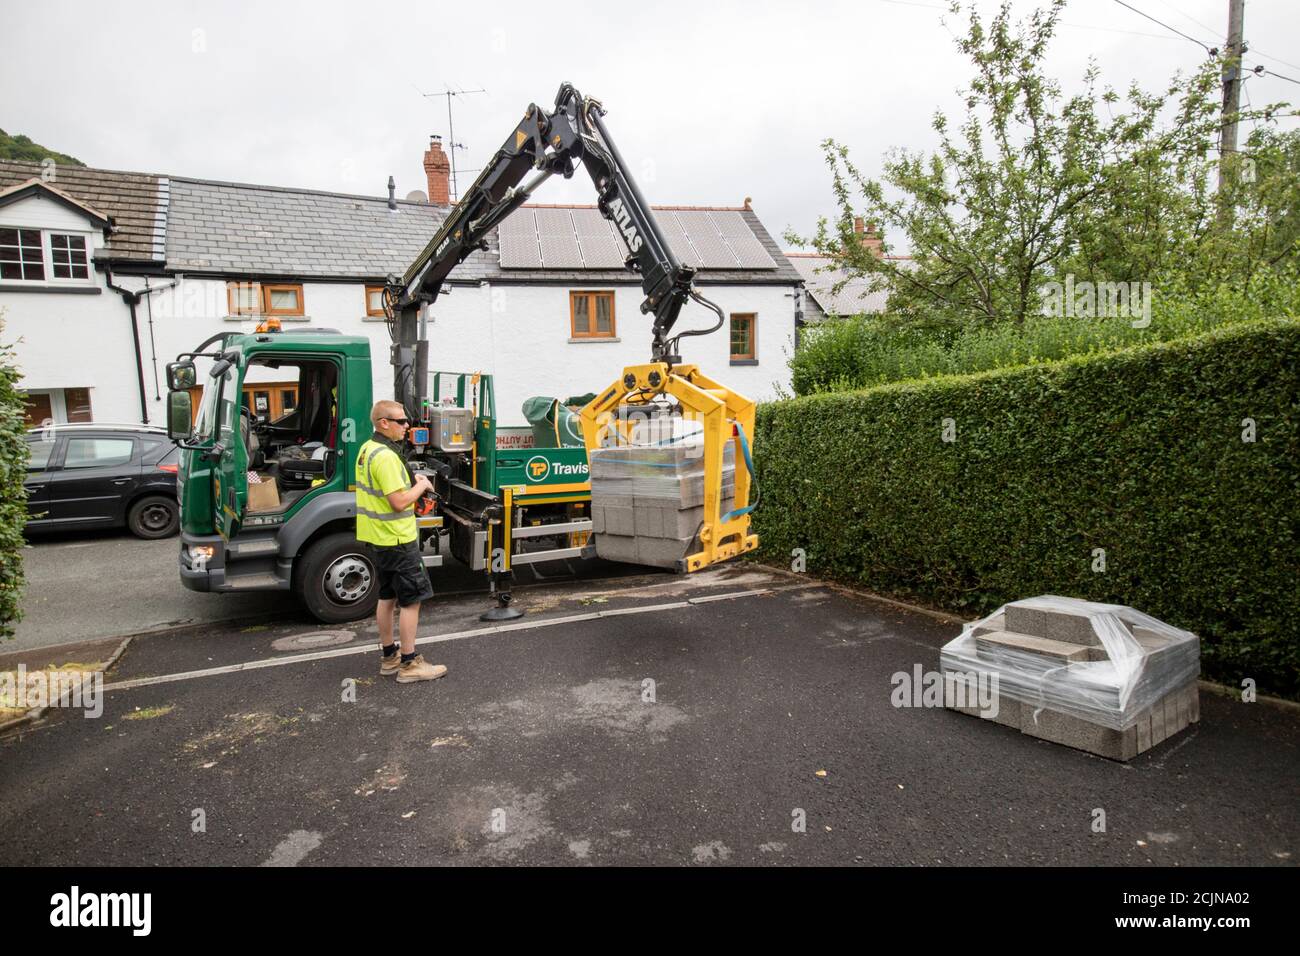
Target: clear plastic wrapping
x=1103, y=663
x=669, y=472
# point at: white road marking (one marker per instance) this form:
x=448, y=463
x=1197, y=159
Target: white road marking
x=369, y=648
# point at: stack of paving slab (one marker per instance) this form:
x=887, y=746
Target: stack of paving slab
x=1098, y=677
x=647, y=500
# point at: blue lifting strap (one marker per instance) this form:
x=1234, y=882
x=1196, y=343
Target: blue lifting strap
x=749, y=464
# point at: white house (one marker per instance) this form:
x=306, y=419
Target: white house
x=80, y=247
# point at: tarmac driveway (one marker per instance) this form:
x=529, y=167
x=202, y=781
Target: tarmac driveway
x=737, y=716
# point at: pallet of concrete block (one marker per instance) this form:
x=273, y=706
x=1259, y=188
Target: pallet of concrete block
x=1099, y=677
x=647, y=501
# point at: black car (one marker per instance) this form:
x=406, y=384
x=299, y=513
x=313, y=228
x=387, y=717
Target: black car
x=102, y=476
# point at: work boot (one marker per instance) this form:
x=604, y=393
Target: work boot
x=390, y=665
x=418, y=669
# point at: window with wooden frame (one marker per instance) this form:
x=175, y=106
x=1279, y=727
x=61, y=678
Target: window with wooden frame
x=591, y=315
x=282, y=299
x=375, y=301
x=257, y=298
x=244, y=298
x=743, y=329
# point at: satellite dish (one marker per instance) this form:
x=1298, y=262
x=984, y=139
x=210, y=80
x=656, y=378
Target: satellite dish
x=416, y=196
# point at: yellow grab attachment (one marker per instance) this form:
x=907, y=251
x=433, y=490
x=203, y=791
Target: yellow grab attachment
x=725, y=416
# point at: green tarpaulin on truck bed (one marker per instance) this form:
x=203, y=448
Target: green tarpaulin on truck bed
x=553, y=425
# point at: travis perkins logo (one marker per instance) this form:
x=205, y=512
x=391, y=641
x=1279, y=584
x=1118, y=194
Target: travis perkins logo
x=623, y=219
x=103, y=909
x=538, y=468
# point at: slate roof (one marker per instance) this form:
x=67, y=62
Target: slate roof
x=135, y=202
x=232, y=228
x=229, y=228
x=820, y=276
x=205, y=227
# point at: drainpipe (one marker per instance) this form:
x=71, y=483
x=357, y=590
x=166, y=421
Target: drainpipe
x=798, y=315
x=132, y=299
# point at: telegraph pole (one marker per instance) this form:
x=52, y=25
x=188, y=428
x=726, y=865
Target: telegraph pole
x=1231, y=91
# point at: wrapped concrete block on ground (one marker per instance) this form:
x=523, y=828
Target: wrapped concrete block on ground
x=647, y=501
x=1099, y=677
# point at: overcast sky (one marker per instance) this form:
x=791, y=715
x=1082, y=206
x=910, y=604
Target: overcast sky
x=709, y=102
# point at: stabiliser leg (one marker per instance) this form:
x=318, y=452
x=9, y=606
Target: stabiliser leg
x=501, y=588
x=724, y=415
x=499, y=545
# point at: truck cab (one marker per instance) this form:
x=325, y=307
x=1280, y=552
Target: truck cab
x=258, y=494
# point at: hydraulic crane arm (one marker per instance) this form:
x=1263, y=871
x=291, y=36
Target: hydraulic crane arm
x=573, y=132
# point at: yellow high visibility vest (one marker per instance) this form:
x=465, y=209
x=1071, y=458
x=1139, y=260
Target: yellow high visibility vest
x=379, y=467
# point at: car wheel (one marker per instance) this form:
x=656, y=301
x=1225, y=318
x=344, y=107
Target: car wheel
x=336, y=579
x=153, y=517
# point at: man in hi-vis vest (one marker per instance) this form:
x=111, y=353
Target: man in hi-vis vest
x=386, y=521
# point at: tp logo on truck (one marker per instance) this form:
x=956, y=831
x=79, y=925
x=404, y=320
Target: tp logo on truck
x=538, y=468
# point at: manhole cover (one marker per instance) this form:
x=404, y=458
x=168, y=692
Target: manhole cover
x=313, y=641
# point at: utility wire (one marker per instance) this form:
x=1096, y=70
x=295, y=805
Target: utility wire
x=1212, y=50
x=1261, y=69
x=1165, y=25
x=1274, y=58
x=1213, y=32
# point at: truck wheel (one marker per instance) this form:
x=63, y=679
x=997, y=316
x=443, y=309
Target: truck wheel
x=153, y=517
x=336, y=579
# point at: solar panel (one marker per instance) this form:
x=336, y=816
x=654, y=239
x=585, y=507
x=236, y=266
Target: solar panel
x=730, y=223
x=737, y=234
x=519, y=223
x=558, y=240
x=713, y=249
x=596, y=238
x=578, y=238
x=520, y=252
x=561, y=252
x=554, y=222
x=678, y=241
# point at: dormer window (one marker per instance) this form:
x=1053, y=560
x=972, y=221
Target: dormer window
x=68, y=256
x=22, y=255
x=41, y=255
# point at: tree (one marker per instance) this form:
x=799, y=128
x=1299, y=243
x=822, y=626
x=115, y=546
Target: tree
x=1031, y=185
x=13, y=497
x=21, y=147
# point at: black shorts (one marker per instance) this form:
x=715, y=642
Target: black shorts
x=402, y=574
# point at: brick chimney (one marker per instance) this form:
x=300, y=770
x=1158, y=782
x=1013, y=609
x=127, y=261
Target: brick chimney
x=438, y=170
x=869, y=237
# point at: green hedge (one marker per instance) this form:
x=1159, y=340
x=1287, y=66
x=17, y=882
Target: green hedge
x=868, y=350
x=13, y=498
x=1139, y=452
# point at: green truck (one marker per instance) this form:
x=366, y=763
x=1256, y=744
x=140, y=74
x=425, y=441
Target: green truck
x=269, y=504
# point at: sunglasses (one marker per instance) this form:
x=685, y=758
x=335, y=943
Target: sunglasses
x=398, y=421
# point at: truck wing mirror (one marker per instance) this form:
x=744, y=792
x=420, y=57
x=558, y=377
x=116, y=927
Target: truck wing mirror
x=180, y=413
x=181, y=375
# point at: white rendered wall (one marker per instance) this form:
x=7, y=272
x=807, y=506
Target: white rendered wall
x=66, y=340
x=520, y=334
x=523, y=338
